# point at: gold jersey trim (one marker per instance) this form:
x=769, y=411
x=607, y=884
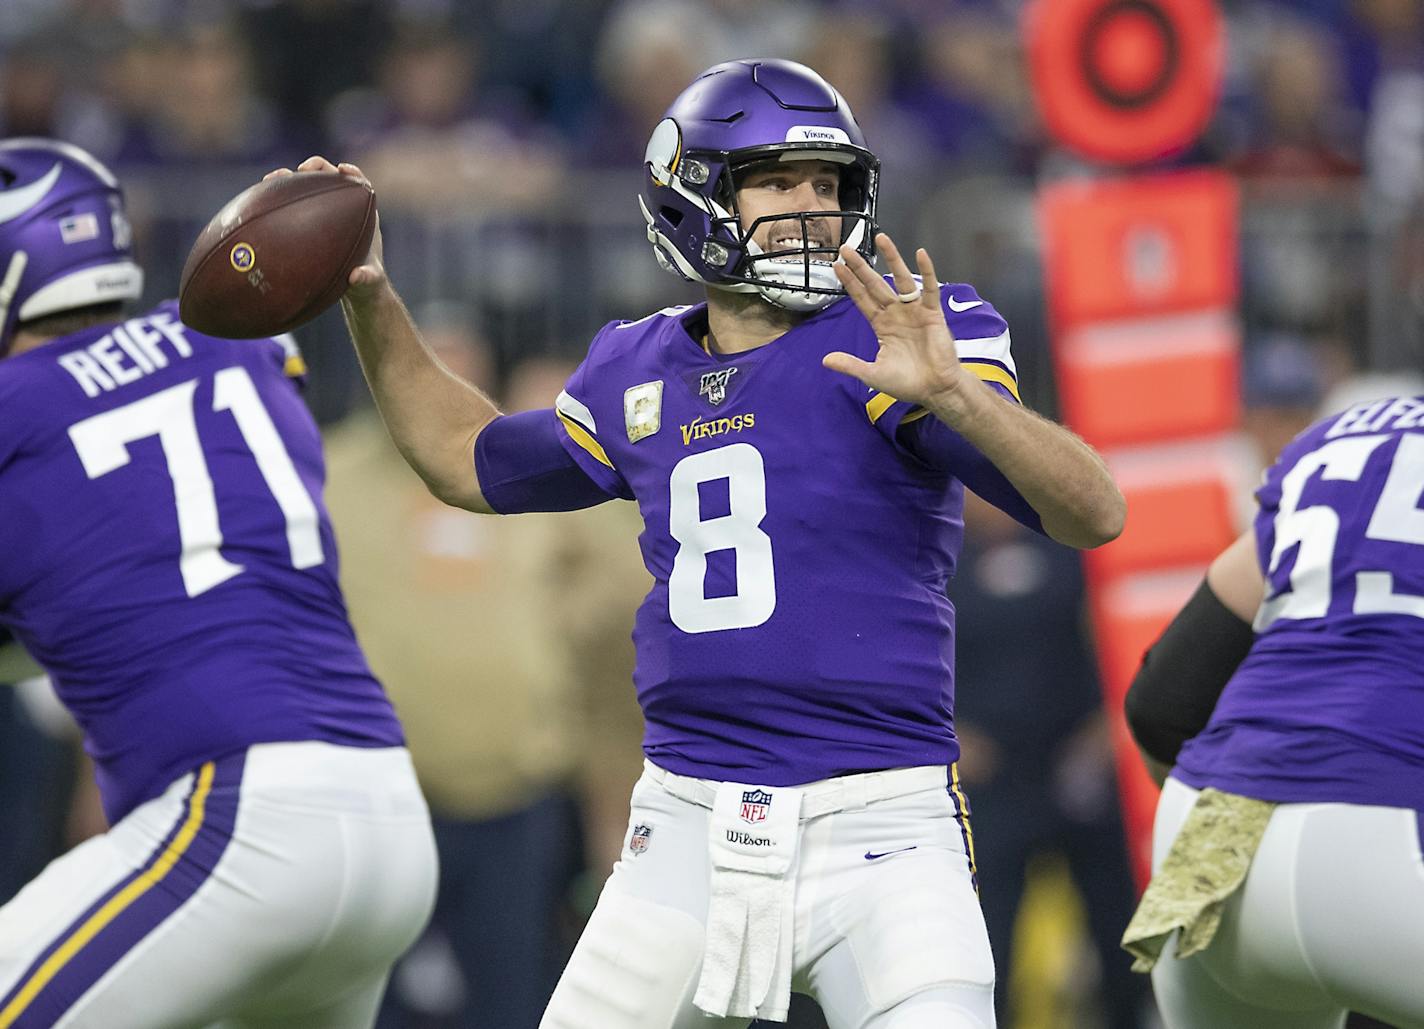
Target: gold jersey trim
x=993, y=373
x=583, y=438
x=882, y=402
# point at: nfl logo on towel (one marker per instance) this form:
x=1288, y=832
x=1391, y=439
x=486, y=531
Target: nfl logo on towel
x=638, y=842
x=754, y=806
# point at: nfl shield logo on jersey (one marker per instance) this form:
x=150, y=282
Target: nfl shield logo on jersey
x=714, y=385
x=638, y=842
x=754, y=806
x=643, y=410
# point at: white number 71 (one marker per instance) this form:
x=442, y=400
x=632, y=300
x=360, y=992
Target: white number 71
x=102, y=444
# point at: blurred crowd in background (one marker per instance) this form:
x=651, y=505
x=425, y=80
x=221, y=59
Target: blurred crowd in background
x=505, y=140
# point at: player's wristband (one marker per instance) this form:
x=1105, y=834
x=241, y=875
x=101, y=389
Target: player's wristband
x=1183, y=673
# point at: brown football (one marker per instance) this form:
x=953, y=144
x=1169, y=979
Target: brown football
x=277, y=255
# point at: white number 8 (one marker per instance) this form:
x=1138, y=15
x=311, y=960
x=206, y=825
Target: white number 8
x=738, y=530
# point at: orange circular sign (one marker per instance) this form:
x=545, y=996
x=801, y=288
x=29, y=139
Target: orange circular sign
x=1125, y=80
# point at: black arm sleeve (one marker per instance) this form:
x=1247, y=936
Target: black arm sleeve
x=1183, y=673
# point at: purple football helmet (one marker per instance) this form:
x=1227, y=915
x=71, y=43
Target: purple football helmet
x=733, y=115
x=64, y=237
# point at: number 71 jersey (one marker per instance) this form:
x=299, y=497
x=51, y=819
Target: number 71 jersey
x=1329, y=703
x=164, y=552
x=798, y=626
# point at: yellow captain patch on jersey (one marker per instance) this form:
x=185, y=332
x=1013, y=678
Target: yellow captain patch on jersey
x=643, y=410
x=699, y=428
x=294, y=366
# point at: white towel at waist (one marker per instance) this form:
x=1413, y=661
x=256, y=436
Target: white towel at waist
x=746, y=964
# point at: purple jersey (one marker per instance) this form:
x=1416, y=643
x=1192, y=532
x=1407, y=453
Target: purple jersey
x=1329, y=704
x=167, y=556
x=798, y=626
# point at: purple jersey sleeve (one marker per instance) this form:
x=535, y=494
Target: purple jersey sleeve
x=945, y=450
x=981, y=338
x=523, y=466
x=579, y=428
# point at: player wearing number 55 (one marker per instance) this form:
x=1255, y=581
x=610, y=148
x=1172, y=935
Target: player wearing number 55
x=798, y=447
x=1287, y=700
x=167, y=558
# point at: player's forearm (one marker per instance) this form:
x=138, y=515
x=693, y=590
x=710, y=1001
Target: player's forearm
x=1062, y=477
x=432, y=414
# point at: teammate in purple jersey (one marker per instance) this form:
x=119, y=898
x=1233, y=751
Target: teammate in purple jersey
x=797, y=446
x=168, y=560
x=1289, y=696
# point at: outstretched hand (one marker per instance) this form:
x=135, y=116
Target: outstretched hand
x=370, y=274
x=917, y=361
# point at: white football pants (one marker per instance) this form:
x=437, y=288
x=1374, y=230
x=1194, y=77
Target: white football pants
x=1329, y=920
x=888, y=933
x=273, y=888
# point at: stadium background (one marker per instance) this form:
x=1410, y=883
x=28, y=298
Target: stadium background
x=505, y=138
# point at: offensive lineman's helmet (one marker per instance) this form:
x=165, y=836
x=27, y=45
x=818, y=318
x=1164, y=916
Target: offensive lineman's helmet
x=732, y=115
x=64, y=237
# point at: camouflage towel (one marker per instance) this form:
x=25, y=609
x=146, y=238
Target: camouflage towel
x=1208, y=862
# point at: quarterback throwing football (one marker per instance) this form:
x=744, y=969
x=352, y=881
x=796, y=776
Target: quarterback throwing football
x=798, y=447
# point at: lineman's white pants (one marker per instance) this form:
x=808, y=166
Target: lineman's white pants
x=1329, y=920
x=273, y=888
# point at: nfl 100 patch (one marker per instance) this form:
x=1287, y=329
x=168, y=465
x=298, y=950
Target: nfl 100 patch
x=713, y=385
x=643, y=410
x=755, y=805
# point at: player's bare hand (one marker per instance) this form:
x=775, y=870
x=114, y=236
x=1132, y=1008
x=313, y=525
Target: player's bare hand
x=370, y=274
x=917, y=361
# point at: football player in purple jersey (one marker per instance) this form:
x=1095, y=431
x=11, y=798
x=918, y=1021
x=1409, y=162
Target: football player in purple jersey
x=1287, y=701
x=167, y=558
x=798, y=447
